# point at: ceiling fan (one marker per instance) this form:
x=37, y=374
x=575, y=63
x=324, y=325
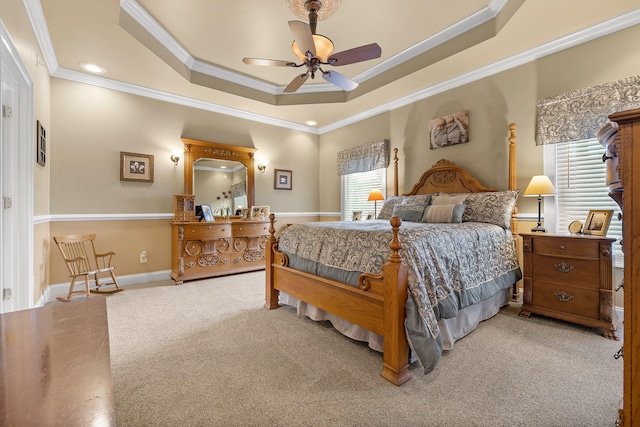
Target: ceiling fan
x=316, y=50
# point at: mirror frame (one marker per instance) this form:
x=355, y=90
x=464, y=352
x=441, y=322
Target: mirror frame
x=195, y=149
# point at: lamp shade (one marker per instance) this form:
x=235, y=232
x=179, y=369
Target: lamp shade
x=540, y=185
x=375, y=195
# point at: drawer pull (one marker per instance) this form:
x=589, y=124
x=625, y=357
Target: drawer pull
x=563, y=247
x=563, y=268
x=563, y=296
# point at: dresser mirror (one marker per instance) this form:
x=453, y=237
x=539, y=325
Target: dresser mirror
x=211, y=168
x=221, y=184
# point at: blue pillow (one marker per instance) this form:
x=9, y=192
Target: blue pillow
x=409, y=212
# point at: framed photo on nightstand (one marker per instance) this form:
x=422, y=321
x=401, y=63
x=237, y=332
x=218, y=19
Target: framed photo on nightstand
x=598, y=222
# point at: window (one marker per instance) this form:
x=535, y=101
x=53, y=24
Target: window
x=355, y=192
x=579, y=175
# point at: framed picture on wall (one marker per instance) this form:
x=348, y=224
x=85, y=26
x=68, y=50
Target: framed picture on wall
x=449, y=130
x=282, y=179
x=136, y=167
x=41, y=144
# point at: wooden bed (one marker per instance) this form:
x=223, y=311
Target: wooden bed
x=378, y=304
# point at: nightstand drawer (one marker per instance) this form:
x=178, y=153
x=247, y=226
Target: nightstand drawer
x=566, y=271
x=567, y=247
x=567, y=299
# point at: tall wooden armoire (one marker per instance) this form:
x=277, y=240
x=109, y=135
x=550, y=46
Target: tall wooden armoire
x=629, y=153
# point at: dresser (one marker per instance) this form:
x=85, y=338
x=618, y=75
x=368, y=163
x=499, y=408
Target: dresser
x=570, y=277
x=207, y=249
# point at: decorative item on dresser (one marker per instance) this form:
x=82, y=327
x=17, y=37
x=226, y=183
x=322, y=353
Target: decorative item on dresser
x=629, y=159
x=570, y=277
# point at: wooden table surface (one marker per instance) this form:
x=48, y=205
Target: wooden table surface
x=55, y=366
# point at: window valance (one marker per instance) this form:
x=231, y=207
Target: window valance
x=239, y=189
x=363, y=158
x=580, y=114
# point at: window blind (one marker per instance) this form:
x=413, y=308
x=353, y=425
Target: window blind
x=580, y=181
x=355, y=192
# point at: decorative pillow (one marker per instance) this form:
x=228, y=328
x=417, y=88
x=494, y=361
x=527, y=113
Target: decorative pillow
x=443, y=213
x=448, y=199
x=387, y=209
x=411, y=213
x=491, y=207
x=419, y=199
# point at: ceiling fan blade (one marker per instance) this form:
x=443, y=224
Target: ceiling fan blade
x=268, y=62
x=339, y=80
x=302, y=35
x=296, y=83
x=357, y=54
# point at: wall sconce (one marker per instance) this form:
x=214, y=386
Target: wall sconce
x=262, y=165
x=175, y=157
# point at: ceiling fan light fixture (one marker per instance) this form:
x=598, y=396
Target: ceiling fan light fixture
x=324, y=48
x=324, y=8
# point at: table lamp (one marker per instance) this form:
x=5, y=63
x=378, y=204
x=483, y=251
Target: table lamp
x=540, y=185
x=375, y=195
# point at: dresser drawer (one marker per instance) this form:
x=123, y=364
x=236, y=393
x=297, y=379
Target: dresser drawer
x=567, y=299
x=211, y=263
x=250, y=229
x=567, y=271
x=206, y=231
x=580, y=248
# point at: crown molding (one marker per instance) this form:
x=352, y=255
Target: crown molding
x=613, y=25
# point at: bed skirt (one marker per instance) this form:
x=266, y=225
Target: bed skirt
x=451, y=329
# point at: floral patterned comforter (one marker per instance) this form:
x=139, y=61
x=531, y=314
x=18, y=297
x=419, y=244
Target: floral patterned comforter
x=450, y=266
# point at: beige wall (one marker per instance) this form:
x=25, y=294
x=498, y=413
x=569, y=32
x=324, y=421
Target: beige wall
x=93, y=125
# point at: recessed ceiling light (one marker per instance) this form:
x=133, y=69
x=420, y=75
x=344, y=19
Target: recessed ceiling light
x=93, y=68
x=310, y=123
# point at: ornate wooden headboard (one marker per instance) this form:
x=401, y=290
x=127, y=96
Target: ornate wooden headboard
x=445, y=176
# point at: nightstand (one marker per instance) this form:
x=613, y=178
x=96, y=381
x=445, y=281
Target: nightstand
x=570, y=277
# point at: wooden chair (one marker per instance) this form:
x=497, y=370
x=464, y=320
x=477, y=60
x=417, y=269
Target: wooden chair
x=77, y=251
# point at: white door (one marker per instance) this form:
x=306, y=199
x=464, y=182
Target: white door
x=16, y=179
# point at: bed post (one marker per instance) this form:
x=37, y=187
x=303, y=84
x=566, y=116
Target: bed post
x=395, y=360
x=271, y=294
x=395, y=171
x=513, y=185
x=513, y=181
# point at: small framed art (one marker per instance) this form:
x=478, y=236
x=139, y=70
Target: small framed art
x=41, y=144
x=260, y=212
x=598, y=222
x=136, y=167
x=357, y=216
x=207, y=213
x=282, y=179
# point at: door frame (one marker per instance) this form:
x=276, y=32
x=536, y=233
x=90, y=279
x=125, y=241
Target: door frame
x=13, y=71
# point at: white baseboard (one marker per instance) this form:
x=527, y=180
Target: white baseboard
x=61, y=289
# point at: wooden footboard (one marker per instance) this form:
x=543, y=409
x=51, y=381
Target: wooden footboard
x=378, y=304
